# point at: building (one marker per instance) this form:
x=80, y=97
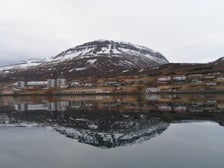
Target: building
x=195, y=76
x=29, y=84
x=21, y=84
x=75, y=84
x=211, y=83
x=209, y=77
x=179, y=77
x=164, y=78
x=37, y=84
x=51, y=83
x=61, y=83
x=83, y=91
x=196, y=81
x=112, y=83
x=88, y=85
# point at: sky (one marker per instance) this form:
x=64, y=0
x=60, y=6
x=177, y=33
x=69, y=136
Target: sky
x=184, y=31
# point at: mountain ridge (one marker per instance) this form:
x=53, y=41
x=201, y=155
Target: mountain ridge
x=97, y=57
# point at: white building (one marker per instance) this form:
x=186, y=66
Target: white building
x=37, y=83
x=164, y=78
x=21, y=84
x=211, y=83
x=75, y=84
x=61, y=83
x=164, y=108
x=179, y=77
x=51, y=83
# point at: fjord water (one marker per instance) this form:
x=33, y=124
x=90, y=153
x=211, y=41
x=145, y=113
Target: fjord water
x=112, y=131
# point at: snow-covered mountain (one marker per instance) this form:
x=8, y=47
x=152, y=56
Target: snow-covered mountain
x=113, y=49
x=94, y=58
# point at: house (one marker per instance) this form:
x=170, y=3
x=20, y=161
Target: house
x=196, y=81
x=112, y=83
x=211, y=102
x=211, y=83
x=88, y=85
x=209, y=77
x=195, y=76
x=75, y=84
x=164, y=107
x=164, y=78
x=179, y=77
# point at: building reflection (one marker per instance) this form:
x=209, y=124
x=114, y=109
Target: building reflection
x=49, y=106
x=162, y=103
x=110, y=121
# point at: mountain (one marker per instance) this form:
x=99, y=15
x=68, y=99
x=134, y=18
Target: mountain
x=129, y=55
x=22, y=65
x=219, y=61
x=96, y=58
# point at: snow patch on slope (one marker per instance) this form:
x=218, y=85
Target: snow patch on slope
x=22, y=65
x=91, y=61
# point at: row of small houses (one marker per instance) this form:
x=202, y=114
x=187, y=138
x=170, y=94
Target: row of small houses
x=177, y=78
x=62, y=83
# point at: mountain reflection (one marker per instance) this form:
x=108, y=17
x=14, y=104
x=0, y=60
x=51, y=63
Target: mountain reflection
x=110, y=121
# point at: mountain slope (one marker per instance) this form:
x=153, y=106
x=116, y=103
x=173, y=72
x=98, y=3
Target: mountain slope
x=219, y=61
x=109, y=49
x=95, y=58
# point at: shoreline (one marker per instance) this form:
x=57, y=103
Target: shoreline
x=121, y=93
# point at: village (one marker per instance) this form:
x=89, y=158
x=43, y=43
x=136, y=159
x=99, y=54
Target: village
x=121, y=84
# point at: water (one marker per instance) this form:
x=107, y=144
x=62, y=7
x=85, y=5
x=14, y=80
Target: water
x=112, y=131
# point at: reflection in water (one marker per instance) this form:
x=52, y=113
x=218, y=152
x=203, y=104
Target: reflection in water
x=110, y=121
x=120, y=133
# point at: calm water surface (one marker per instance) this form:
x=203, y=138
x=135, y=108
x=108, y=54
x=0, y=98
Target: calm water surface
x=112, y=131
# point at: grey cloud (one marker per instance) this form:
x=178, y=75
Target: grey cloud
x=182, y=30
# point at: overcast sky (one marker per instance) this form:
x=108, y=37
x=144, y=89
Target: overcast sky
x=182, y=30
